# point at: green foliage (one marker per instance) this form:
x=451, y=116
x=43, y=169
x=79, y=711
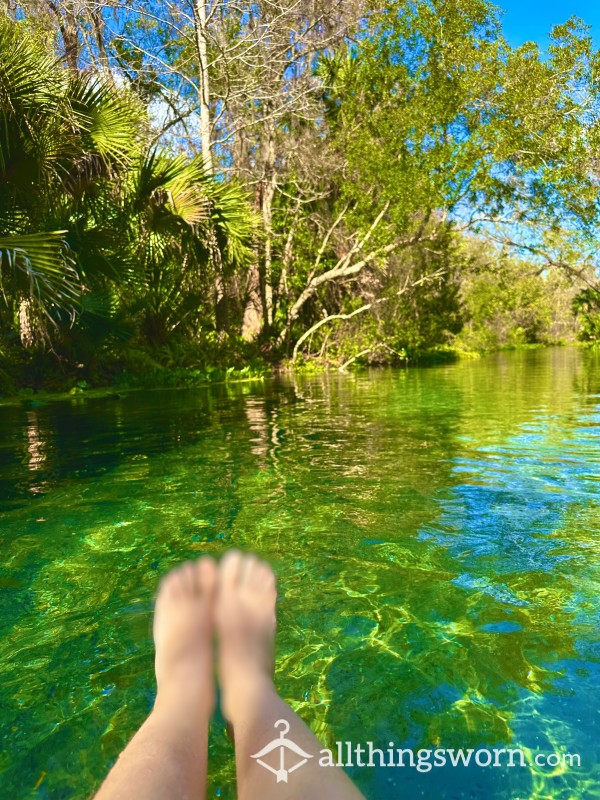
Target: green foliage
x=186, y=378
x=178, y=226
x=102, y=240
x=416, y=186
x=446, y=131
x=58, y=133
x=434, y=111
x=586, y=306
x=514, y=304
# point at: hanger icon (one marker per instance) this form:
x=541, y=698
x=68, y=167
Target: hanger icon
x=282, y=744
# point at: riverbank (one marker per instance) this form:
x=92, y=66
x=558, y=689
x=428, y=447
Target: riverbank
x=189, y=378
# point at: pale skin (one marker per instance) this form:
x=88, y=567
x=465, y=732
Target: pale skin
x=167, y=758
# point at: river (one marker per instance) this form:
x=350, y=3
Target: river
x=436, y=537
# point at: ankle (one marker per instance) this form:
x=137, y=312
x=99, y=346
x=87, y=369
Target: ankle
x=185, y=698
x=244, y=692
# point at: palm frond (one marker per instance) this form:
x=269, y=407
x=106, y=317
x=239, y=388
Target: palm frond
x=234, y=222
x=169, y=192
x=40, y=266
x=30, y=91
x=105, y=116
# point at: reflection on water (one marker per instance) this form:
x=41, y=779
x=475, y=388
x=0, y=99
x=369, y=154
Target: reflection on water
x=36, y=448
x=436, y=536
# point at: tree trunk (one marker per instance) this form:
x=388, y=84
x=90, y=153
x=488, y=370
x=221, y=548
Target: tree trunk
x=98, y=26
x=259, y=286
x=221, y=304
x=67, y=24
x=200, y=28
x=267, y=195
x=204, y=84
x=253, y=313
x=253, y=320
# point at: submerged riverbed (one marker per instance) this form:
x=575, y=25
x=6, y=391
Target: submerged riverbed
x=436, y=536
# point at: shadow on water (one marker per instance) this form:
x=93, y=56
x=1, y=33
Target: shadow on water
x=435, y=536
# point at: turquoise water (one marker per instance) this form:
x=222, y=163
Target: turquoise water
x=435, y=533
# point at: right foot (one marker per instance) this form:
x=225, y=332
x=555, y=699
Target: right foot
x=245, y=621
x=183, y=632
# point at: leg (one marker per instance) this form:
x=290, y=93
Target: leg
x=245, y=618
x=167, y=757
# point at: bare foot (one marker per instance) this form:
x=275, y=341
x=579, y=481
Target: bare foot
x=245, y=619
x=183, y=635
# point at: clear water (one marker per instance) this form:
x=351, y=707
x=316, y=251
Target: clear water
x=435, y=532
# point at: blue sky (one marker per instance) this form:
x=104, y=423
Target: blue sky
x=530, y=20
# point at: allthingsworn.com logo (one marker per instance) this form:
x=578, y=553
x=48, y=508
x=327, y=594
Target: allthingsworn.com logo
x=282, y=756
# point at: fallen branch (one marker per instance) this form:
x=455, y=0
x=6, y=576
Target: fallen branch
x=358, y=355
x=378, y=346
x=321, y=322
x=407, y=285
x=344, y=268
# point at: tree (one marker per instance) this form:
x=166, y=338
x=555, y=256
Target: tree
x=444, y=128
x=180, y=224
x=369, y=139
x=586, y=306
x=236, y=84
x=60, y=132
x=86, y=209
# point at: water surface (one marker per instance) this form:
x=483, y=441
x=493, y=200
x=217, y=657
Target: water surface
x=436, y=536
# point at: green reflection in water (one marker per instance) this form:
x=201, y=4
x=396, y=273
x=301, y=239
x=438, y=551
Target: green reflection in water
x=436, y=537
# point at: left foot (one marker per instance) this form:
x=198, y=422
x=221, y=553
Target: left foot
x=245, y=618
x=183, y=634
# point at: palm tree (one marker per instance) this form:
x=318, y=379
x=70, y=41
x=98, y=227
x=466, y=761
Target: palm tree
x=84, y=208
x=183, y=228
x=58, y=133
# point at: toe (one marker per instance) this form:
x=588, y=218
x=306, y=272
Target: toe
x=266, y=578
x=206, y=576
x=250, y=571
x=231, y=569
x=188, y=578
x=169, y=585
x=260, y=577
